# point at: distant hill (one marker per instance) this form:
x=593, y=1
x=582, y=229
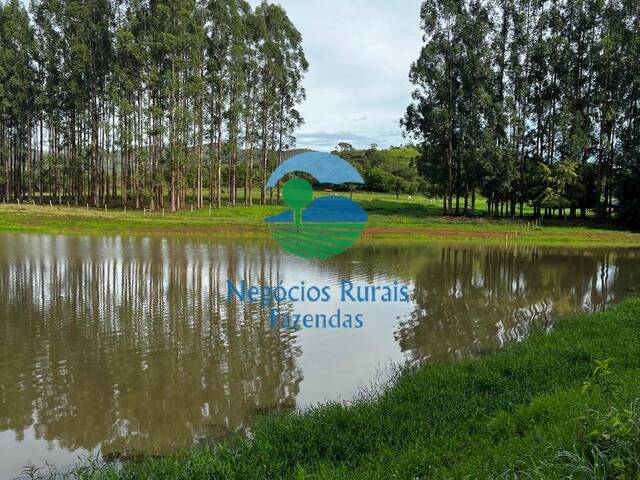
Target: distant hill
x=290, y=153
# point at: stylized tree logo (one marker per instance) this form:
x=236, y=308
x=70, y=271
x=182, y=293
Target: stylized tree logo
x=323, y=227
x=297, y=194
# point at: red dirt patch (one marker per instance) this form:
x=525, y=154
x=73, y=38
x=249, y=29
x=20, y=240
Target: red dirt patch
x=434, y=232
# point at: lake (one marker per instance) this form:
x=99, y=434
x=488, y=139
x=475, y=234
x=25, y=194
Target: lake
x=123, y=345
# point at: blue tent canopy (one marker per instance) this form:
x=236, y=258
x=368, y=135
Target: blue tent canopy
x=324, y=167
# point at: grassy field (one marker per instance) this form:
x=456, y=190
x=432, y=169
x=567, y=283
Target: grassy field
x=390, y=218
x=559, y=405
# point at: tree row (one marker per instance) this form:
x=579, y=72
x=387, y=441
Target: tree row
x=138, y=102
x=530, y=102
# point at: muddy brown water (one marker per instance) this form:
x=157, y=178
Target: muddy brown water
x=127, y=345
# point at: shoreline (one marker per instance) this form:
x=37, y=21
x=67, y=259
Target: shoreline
x=247, y=223
x=516, y=411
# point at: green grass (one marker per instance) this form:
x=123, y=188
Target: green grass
x=507, y=415
x=406, y=218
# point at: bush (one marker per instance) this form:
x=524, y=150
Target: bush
x=379, y=180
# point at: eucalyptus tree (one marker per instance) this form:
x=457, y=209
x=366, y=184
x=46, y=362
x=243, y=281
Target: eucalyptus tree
x=282, y=66
x=197, y=90
x=236, y=86
x=267, y=52
x=97, y=19
x=179, y=40
x=290, y=68
x=49, y=60
x=477, y=108
x=86, y=58
x=609, y=95
x=453, y=104
x=578, y=126
x=18, y=92
x=432, y=119
x=218, y=44
x=626, y=188
x=251, y=68
x=128, y=68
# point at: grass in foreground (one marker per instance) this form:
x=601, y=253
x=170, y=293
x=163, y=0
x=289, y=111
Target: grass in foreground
x=520, y=413
x=405, y=218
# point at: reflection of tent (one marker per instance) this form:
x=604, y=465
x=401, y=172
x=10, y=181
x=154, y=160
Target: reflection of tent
x=324, y=167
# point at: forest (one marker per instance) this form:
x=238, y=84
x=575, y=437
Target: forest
x=135, y=103
x=533, y=105
x=530, y=102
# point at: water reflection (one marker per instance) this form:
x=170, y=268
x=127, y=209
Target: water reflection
x=128, y=344
x=477, y=299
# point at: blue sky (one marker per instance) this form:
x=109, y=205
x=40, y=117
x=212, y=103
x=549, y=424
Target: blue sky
x=359, y=53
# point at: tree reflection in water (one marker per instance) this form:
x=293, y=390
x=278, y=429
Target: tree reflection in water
x=472, y=300
x=129, y=344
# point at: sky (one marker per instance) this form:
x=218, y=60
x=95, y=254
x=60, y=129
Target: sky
x=359, y=54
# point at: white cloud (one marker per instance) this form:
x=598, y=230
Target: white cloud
x=359, y=54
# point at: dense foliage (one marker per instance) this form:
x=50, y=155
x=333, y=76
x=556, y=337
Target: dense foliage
x=390, y=170
x=105, y=101
x=530, y=101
